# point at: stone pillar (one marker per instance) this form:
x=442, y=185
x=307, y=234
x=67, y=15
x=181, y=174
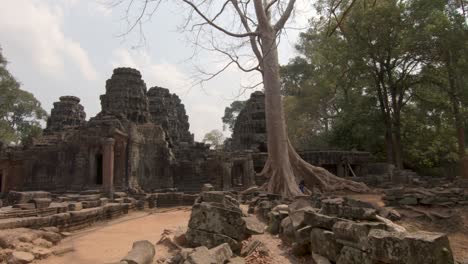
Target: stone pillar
x=108, y=166
x=4, y=179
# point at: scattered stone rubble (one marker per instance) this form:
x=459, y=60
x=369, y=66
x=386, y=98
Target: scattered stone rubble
x=346, y=231
x=447, y=197
x=23, y=245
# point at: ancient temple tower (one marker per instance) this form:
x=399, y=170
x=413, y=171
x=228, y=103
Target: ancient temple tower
x=67, y=113
x=167, y=110
x=125, y=96
x=250, y=127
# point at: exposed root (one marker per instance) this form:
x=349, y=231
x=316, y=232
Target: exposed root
x=281, y=182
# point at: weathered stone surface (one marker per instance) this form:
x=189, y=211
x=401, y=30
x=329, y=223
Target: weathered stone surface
x=40, y=242
x=197, y=237
x=207, y=187
x=318, y=259
x=217, y=220
x=221, y=253
x=315, y=219
x=287, y=229
x=201, y=255
x=253, y=226
x=301, y=245
x=236, y=260
x=355, y=234
x=15, y=197
x=250, y=128
x=41, y=253
x=67, y=113
x=323, y=242
x=357, y=213
x=41, y=203
x=351, y=255
x=167, y=110
x=410, y=248
x=21, y=257
x=142, y=253
x=75, y=206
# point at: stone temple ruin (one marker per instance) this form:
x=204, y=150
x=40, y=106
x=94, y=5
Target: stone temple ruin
x=138, y=153
x=140, y=141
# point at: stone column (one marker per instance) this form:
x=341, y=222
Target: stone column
x=4, y=188
x=108, y=166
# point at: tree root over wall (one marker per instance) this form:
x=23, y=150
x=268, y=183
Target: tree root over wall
x=284, y=178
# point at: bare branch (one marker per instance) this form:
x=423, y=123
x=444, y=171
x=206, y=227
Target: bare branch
x=211, y=23
x=244, y=21
x=287, y=13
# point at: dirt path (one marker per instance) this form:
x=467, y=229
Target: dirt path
x=109, y=242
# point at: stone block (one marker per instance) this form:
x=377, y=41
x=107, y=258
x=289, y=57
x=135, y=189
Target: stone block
x=357, y=213
x=201, y=255
x=253, y=226
x=41, y=203
x=351, y=255
x=221, y=253
x=217, y=220
x=323, y=242
x=315, y=219
x=410, y=248
x=197, y=237
x=355, y=234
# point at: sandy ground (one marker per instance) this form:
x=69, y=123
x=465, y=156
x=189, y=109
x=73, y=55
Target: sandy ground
x=110, y=241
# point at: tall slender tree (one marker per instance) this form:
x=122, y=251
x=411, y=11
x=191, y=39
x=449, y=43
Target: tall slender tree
x=258, y=24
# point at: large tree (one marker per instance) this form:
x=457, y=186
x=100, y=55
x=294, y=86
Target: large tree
x=20, y=112
x=258, y=24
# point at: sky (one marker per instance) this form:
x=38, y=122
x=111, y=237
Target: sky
x=70, y=47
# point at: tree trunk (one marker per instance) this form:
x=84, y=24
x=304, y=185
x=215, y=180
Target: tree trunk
x=397, y=147
x=284, y=167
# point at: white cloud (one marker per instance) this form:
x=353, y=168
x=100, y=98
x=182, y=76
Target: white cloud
x=33, y=30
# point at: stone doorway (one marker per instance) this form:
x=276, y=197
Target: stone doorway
x=237, y=175
x=98, y=179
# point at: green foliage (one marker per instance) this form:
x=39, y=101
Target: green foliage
x=230, y=114
x=215, y=138
x=405, y=52
x=20, y=113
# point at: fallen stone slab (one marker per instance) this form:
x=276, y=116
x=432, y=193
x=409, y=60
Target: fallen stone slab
x=323, y=242
x=197, y=237
x=21, y=257
x=351, y=255
x=354, y=234
x=318, y=259
x=201, y=255
x=142, y=253
x=315, y=219
x=410, y=248
x=236, y=260
x=217, y=220
x=253, y=226
x=221, y=253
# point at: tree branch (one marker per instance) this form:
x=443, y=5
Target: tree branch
x=211, y=23
x=287, y=13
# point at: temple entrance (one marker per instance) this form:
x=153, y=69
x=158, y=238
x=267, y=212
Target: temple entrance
x=1, y=181
x=237, y=175
x=98, y=179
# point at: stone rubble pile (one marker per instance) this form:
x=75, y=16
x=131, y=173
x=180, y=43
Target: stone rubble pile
x=23, y=245
x=216, y=219
x=347, y=231
x=426, y=197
